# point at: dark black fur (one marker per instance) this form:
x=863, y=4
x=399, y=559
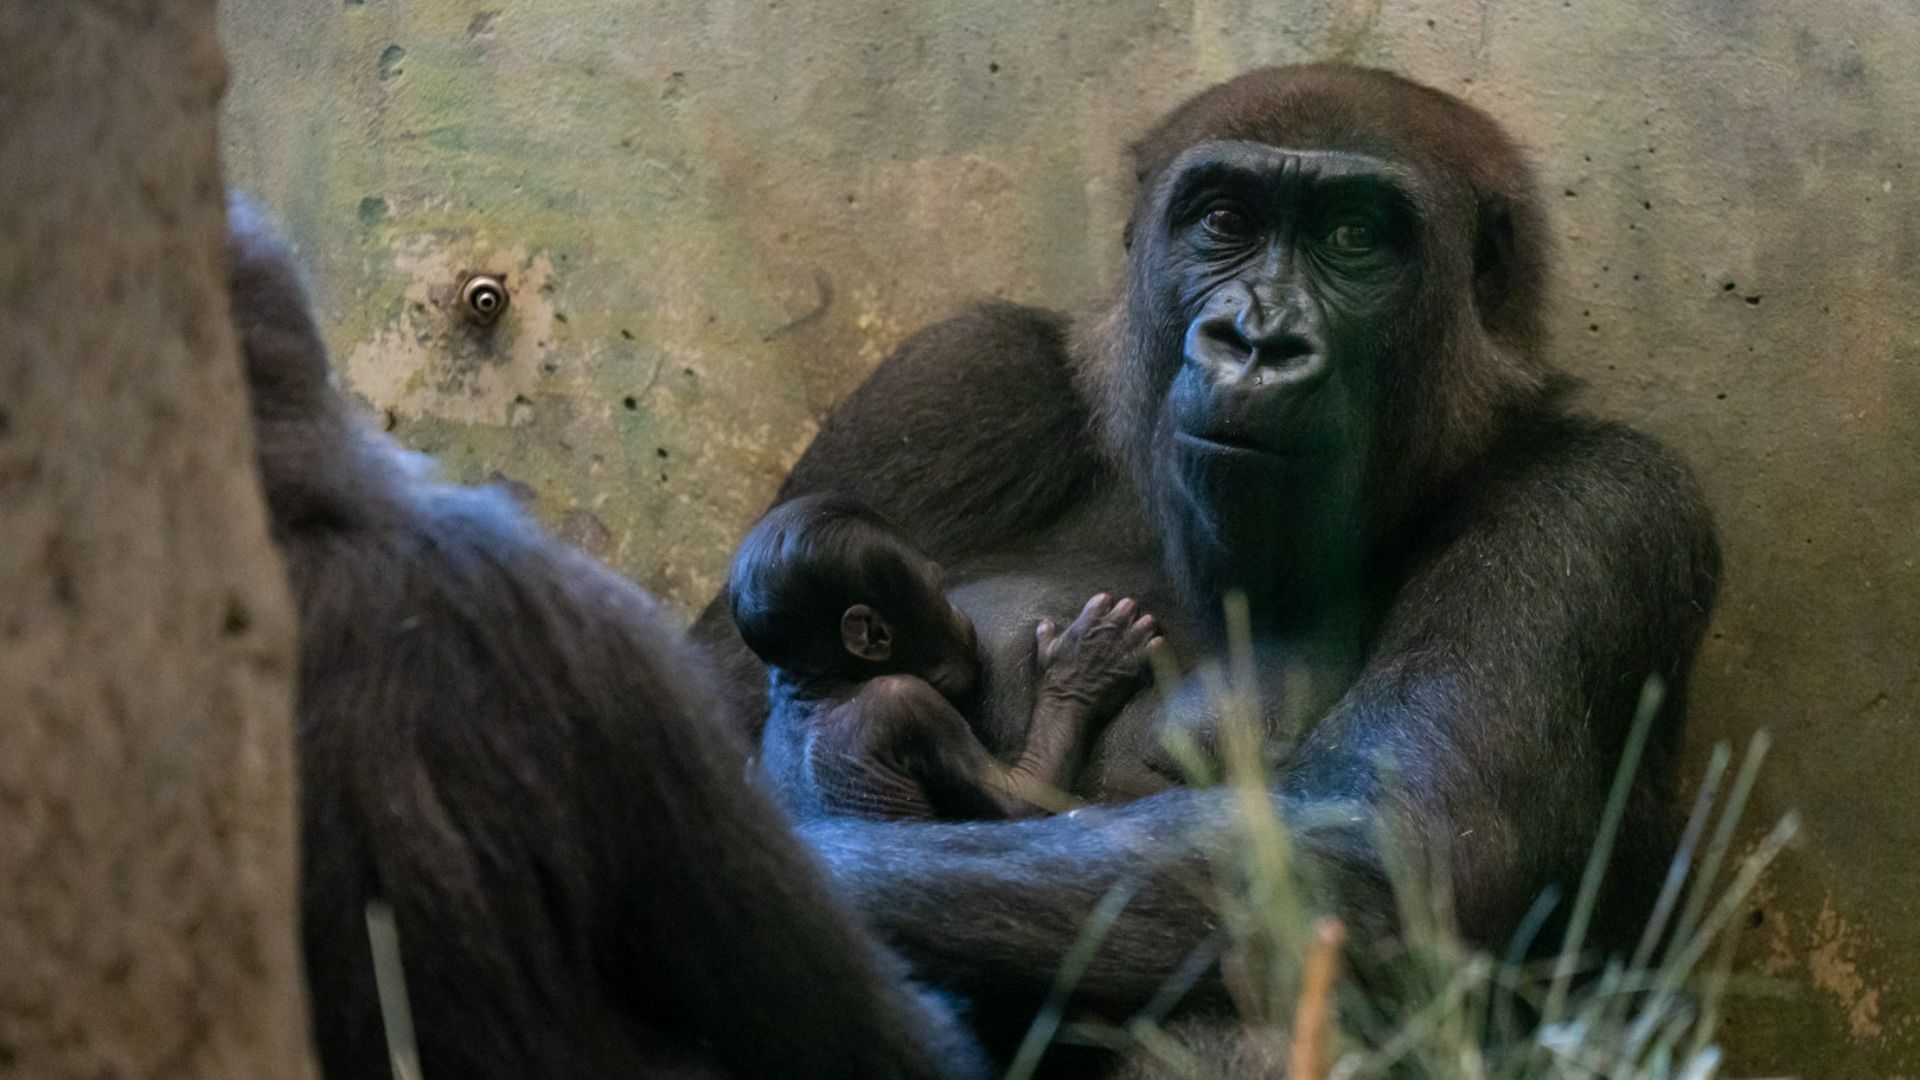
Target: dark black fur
x=1521, y=570
x=512, y=746
x=810, y=560
x=928, y=399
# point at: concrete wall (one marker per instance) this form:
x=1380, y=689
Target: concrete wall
x=718, y=216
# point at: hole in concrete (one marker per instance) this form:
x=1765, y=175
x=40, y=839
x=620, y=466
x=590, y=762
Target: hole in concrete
x=238, y=618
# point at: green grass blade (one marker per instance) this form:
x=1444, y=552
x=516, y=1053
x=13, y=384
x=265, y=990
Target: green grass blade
x=1602, y=853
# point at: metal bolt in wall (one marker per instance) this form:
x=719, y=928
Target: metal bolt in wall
x=483, y=298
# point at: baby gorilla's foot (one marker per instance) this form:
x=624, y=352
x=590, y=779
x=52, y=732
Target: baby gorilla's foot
x=1100, y=659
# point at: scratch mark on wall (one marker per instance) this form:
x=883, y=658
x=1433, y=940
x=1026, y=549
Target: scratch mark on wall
x=823, y=287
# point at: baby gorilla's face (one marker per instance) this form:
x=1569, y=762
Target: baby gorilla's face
x=915, y=631
x=950, y=660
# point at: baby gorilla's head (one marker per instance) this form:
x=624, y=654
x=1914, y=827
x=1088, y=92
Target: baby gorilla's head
x=825, y=587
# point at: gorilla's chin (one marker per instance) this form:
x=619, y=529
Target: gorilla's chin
x=1271, y=526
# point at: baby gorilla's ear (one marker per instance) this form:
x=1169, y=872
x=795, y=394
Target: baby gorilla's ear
x=865, y=634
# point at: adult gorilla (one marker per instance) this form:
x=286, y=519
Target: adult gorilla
x=1323, y=383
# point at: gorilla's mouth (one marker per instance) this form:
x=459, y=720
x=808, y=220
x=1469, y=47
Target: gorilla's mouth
x=1239, y=445
x=1228, y=443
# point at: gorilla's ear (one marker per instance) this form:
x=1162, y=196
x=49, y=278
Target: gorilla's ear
x=1494, y=257
x=863, y=633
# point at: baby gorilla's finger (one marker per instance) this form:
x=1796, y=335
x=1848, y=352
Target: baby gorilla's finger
x=1046, y=634
x=1143, y=628
x=1096, y=606
x=1122, y=611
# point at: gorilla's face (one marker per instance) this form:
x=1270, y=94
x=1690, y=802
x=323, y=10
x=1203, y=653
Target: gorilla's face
x=1267, y=287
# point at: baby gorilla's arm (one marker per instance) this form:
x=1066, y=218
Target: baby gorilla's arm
x=911, y=737
x=900, y=749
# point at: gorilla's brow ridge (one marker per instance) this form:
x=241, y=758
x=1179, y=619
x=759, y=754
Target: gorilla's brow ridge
x=1257, y=173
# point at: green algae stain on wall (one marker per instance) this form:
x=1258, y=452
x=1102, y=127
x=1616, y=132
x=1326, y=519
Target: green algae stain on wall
x=717, y=217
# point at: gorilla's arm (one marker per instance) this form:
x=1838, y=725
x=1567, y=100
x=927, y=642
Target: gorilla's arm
x=971, y=434
x=1502, y=684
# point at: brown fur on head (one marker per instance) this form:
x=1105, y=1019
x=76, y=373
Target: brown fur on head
x=1472, y=345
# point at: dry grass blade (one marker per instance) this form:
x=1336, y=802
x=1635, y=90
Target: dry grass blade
x=1313, y=1017
x=396, y=1016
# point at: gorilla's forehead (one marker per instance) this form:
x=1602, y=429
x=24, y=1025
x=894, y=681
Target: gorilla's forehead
x=1304, y=161
x=1280, y=165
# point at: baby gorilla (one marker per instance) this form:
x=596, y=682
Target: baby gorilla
x=870, y=667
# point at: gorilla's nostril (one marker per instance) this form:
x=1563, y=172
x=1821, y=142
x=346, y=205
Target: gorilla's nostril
x=1215, y=343
x=1227, y=340
x=1289, y=355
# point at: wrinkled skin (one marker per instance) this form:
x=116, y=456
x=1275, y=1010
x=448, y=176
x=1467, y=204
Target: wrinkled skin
x=1323, y=384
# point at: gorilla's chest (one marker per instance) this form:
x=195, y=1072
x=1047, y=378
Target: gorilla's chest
x=1007, y=594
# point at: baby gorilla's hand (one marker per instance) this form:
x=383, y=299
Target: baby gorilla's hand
x=1099, y=660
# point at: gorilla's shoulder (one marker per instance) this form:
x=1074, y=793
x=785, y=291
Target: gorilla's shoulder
x=1585, y=483
x=1585, y=450
x=971, y=432
x=969, y=367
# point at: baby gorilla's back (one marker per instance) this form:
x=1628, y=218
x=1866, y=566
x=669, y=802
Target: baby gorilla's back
x=895, y=748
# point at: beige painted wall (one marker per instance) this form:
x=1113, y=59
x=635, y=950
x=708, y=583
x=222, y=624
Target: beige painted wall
x=718, y=216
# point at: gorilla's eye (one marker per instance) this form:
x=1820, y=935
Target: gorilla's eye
x=1227, y=223
x=1352, y=238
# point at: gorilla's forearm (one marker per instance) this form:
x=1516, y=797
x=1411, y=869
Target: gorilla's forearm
x=990, y=908
x=986, y=907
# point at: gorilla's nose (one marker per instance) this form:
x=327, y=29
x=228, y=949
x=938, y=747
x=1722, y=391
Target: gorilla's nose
x=1245, y=346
